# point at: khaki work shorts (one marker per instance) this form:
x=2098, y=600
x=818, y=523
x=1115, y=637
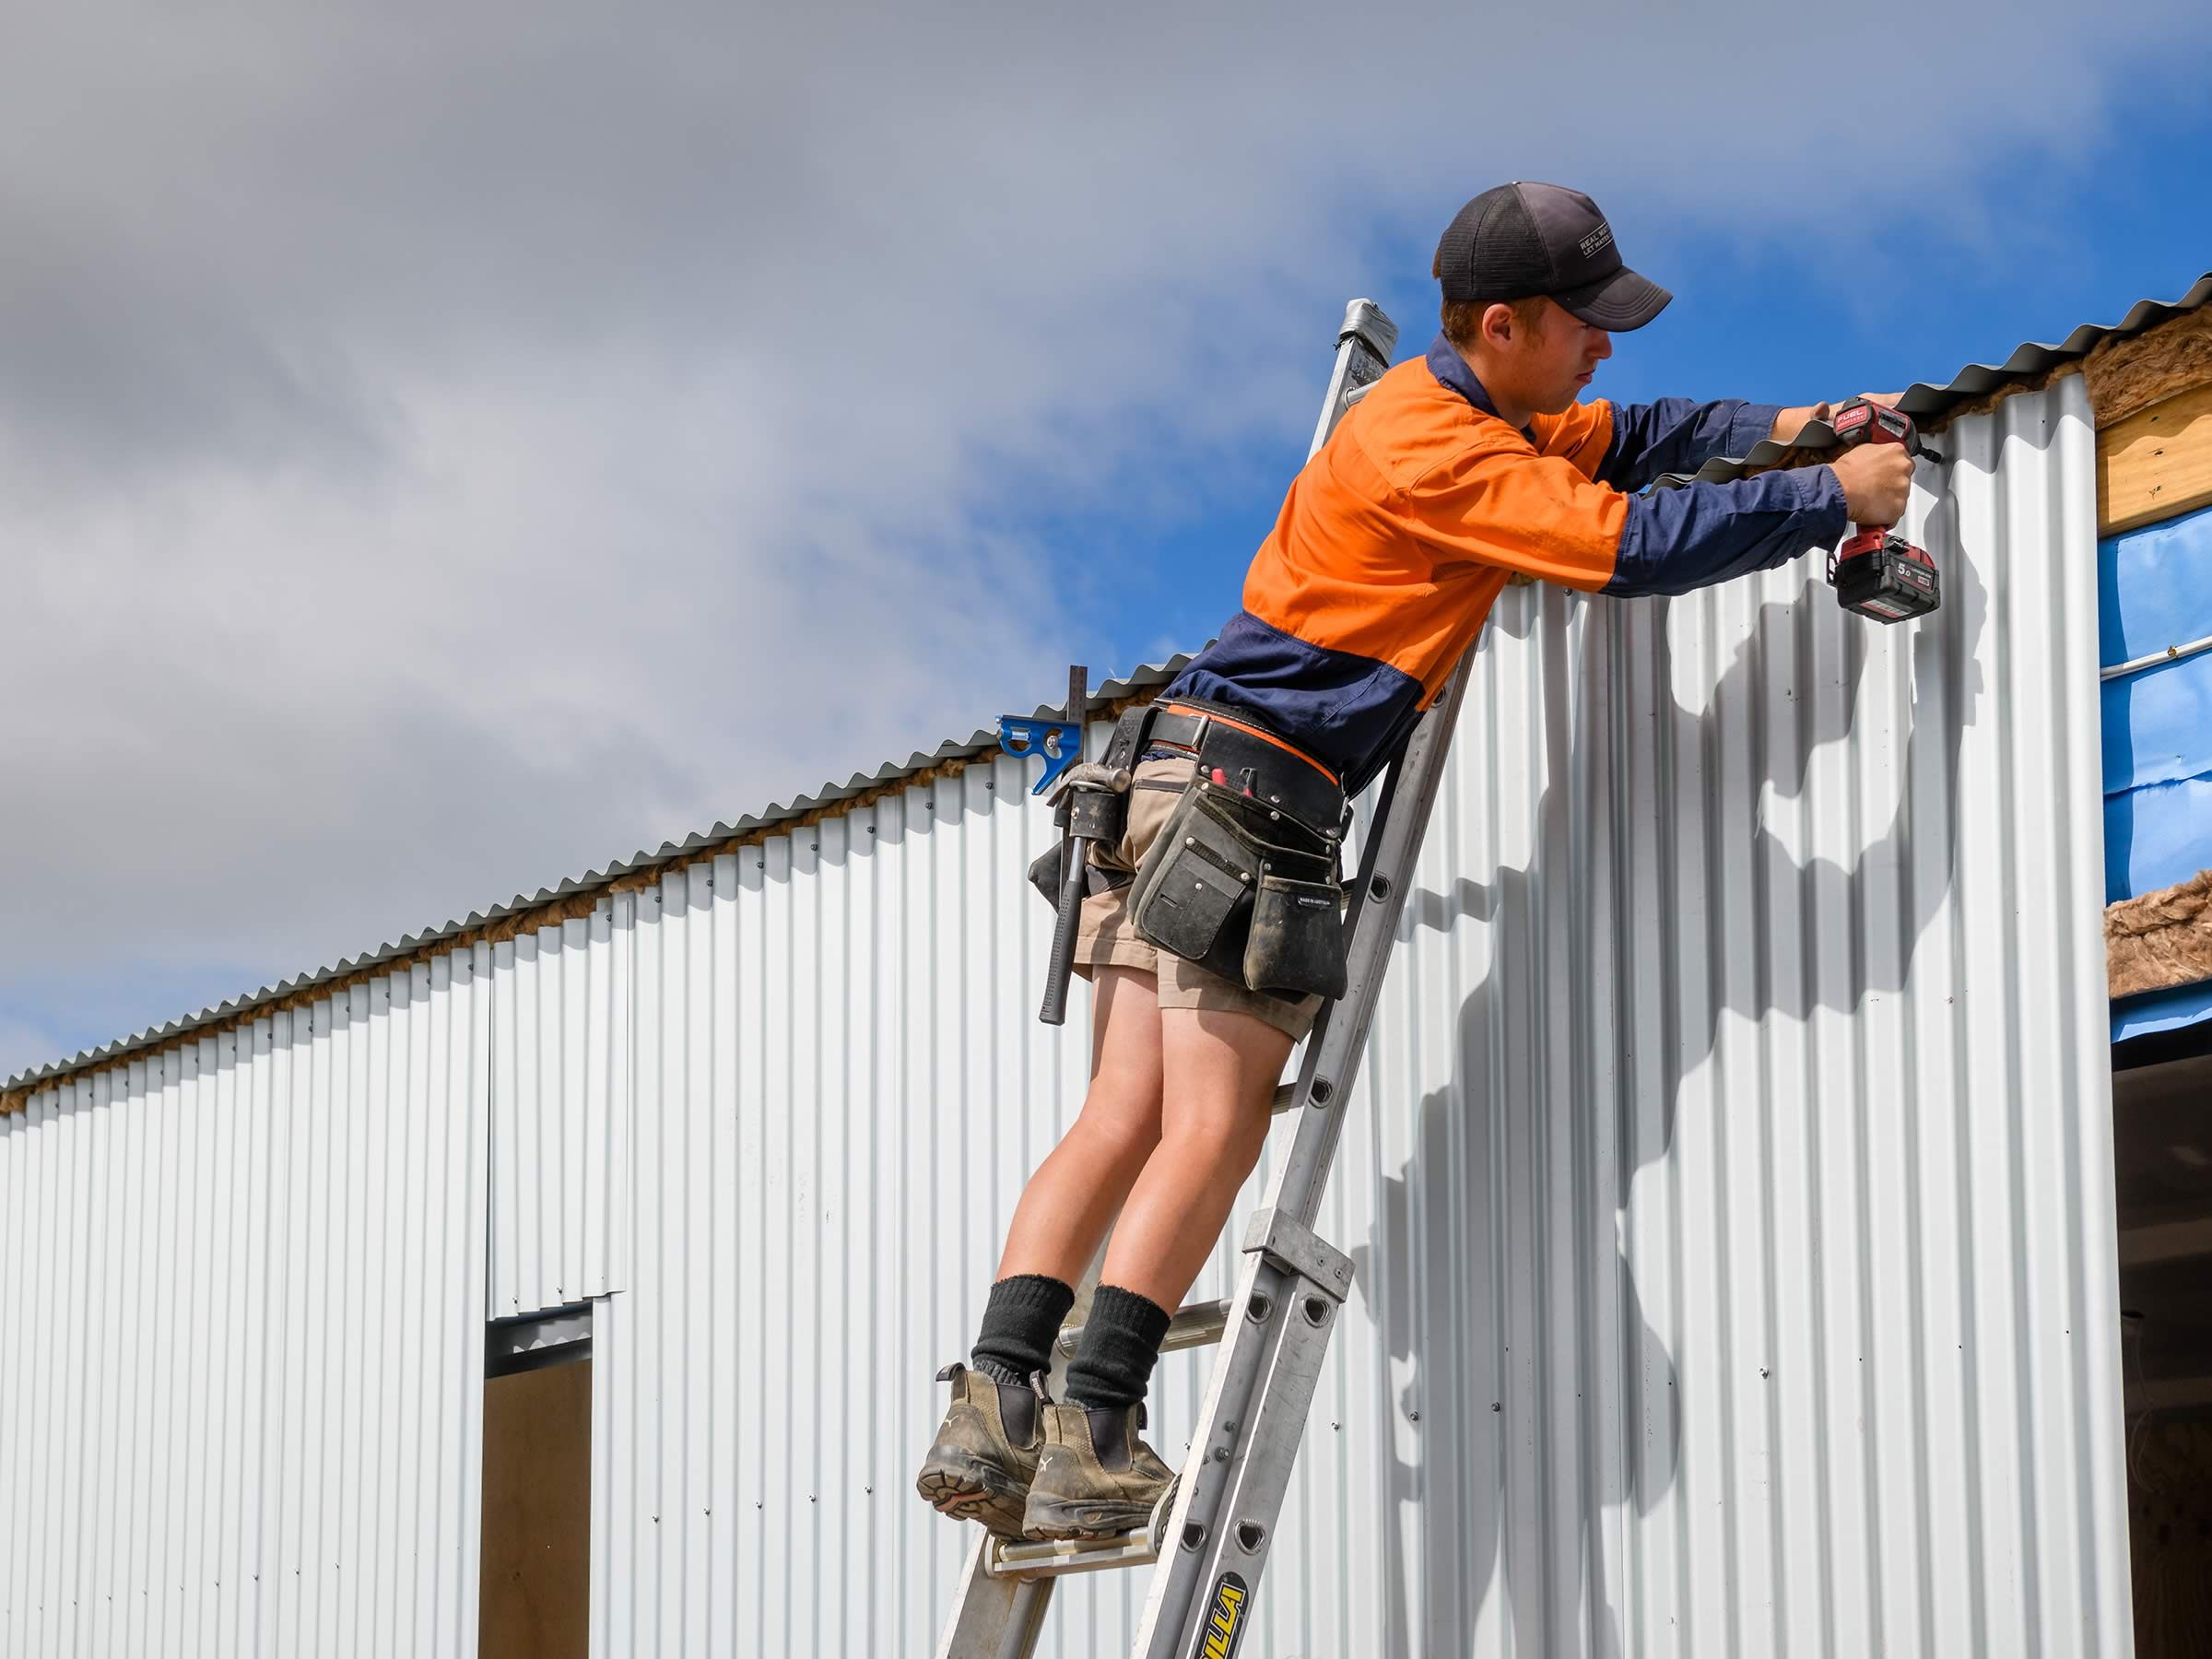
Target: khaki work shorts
x=1106, y=937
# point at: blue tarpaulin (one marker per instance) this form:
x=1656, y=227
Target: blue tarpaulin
x=2162, y=1010
x=2155, y=591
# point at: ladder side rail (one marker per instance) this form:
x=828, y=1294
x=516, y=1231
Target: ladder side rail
x=1224, y=1517
x=1334, y=1067
x=1363, y=347
x=993, y=1618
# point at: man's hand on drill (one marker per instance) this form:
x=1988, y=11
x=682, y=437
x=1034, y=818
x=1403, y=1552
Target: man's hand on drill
x=1791, y=422
x=1877, y=477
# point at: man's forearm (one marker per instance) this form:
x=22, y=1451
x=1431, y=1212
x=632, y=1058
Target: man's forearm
x=1675, y=540
x=1677, y=435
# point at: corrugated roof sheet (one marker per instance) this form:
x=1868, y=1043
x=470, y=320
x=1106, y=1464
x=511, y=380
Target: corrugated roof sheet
x=1150, y=676
x=1926, y=402
x=1920, y=400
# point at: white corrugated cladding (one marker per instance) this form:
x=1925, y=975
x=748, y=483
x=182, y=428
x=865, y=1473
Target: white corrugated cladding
x=1730, y=1180
x=241, y=1390
x=560, y=1078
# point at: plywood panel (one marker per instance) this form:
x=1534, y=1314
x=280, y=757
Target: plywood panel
x=537, y=1513
x=2157, y=464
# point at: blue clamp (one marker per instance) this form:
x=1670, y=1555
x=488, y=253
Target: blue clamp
x=1058, y=742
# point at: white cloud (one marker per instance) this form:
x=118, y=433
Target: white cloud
x=23, y=1045
x=442, y=450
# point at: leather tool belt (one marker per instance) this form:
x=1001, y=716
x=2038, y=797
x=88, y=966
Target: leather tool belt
x=1238, y=753
x=1243, y=877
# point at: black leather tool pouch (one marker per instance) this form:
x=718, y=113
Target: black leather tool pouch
x=1192, y=895
x=1244, y=892
x=1295, y=945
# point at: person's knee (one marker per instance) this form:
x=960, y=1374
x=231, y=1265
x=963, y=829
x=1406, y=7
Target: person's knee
x=1121, y=1117
x=1217, y=1129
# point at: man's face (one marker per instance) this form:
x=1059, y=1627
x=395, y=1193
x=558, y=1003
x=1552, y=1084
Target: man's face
x=1553, y=364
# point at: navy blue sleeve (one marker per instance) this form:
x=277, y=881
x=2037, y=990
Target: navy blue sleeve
x=1691, y=537
x=1677, y=435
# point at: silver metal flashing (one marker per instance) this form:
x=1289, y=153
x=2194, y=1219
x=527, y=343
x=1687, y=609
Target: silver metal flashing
x=562, y=1109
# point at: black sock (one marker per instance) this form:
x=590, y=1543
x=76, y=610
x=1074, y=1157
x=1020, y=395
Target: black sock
x=1121, y=1345
x=1021, y=1321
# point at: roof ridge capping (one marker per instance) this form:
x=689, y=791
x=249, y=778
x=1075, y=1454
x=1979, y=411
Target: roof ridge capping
x=575, y=896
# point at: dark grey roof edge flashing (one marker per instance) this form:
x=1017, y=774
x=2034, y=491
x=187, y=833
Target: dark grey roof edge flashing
x=1149, y=676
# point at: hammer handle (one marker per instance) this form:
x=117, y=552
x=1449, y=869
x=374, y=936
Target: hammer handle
x=1075, y=857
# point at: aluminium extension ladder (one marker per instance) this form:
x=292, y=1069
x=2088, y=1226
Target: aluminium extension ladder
x=1206, y=1551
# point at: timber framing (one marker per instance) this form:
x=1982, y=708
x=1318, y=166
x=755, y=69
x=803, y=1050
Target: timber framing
x=2156, y=464
x=2152, y=397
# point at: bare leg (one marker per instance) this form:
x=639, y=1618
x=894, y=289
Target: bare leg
x=1219, y=1072
x=1071, y=1199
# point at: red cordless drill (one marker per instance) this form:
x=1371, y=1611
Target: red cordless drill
x=1877, y=573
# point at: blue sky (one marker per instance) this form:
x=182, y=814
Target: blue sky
x=414, y=512
x=1752, y=318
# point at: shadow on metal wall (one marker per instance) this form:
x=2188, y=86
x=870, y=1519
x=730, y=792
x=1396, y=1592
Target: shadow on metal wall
x=1445, y=1330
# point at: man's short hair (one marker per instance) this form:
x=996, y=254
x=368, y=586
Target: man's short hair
x=1462, y=318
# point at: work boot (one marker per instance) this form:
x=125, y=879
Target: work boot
x=1096, y=1476
x=986, y=1449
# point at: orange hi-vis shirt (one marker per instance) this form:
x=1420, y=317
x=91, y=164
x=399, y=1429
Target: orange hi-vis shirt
x=1399, y=533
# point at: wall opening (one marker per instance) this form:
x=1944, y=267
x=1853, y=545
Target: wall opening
x=2162, y=1155
x=537, y=1489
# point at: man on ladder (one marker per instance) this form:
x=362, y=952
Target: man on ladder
x=1212, y=930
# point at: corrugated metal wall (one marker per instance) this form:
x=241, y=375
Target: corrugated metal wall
x=560, y=1078
x=1730, y=1182
x=1740, y=1131
x=1730, y=1185
x=241, y=1390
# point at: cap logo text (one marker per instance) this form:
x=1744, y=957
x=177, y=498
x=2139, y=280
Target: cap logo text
x=1597, y=241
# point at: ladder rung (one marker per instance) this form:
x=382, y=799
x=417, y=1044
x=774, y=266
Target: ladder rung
x=1285, y=1097
x=1057, y=1558
x=1198, y=1325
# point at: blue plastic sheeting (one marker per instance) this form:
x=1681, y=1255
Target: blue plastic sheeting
x=2153, y=588
x=2157, y=724
x=2155, y=591
x=2156, y=837
x=2162, y=1010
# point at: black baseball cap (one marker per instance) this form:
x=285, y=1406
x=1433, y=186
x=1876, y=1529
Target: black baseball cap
x=1522, y=239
